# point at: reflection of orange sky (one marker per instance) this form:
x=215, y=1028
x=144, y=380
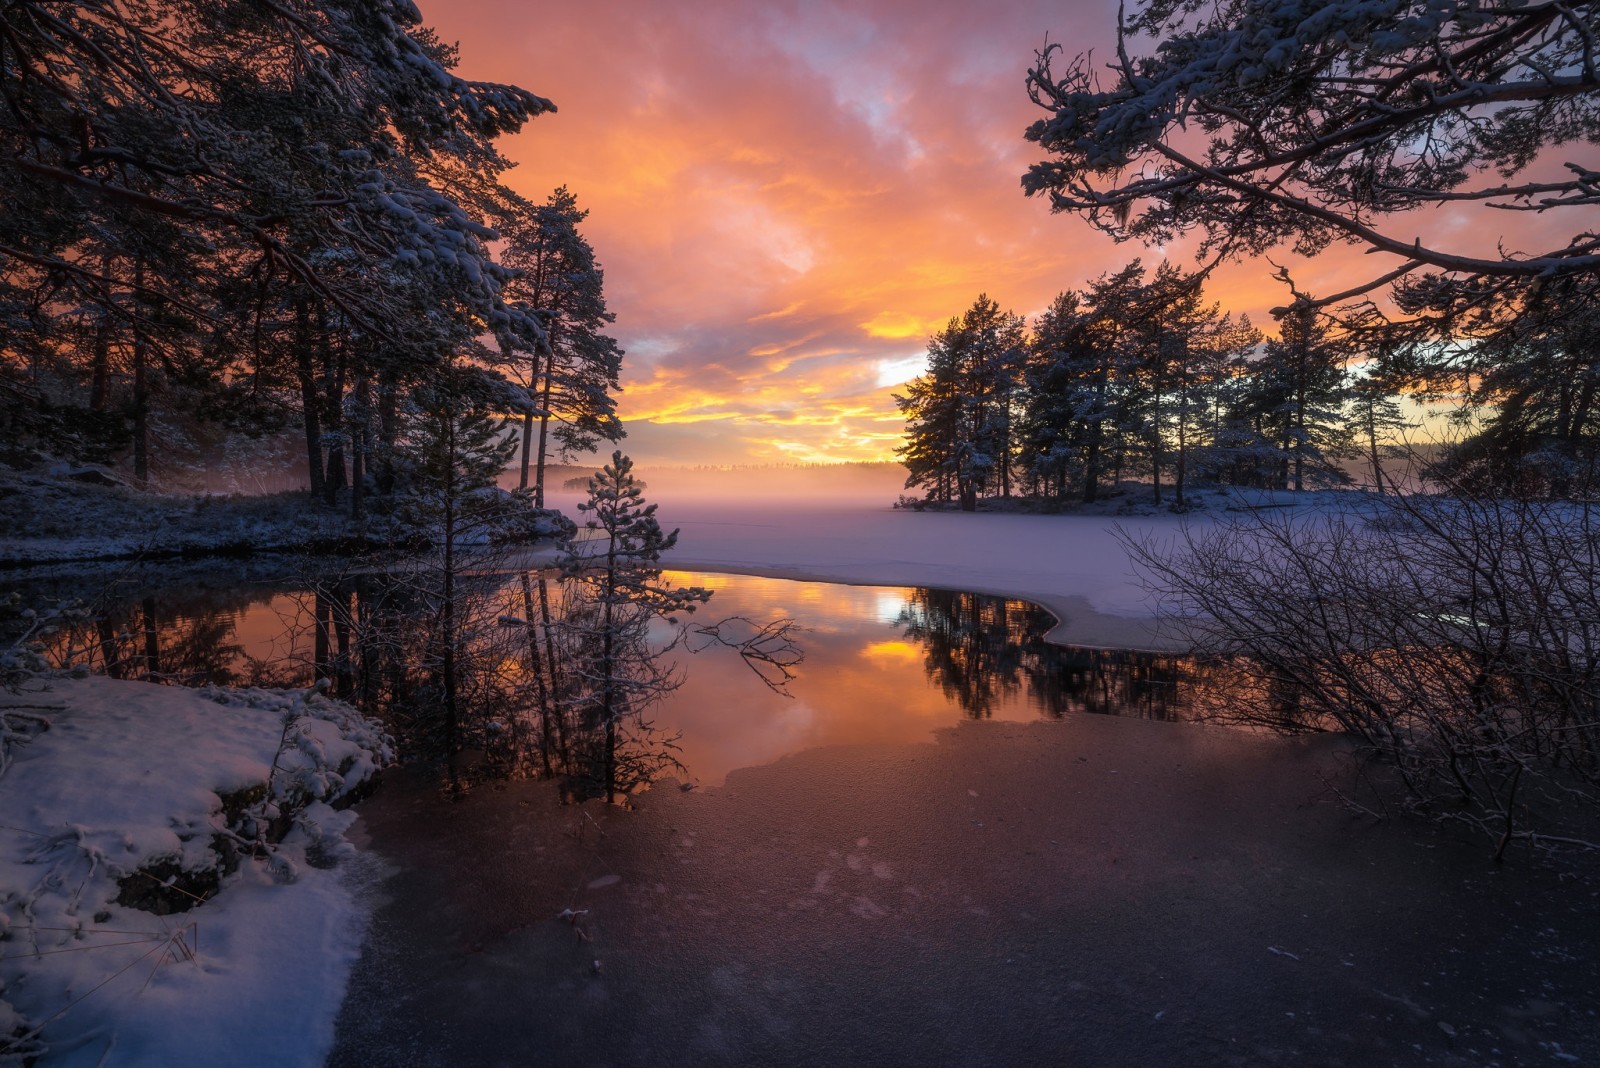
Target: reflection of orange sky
x=788, y=198
x=860, y=683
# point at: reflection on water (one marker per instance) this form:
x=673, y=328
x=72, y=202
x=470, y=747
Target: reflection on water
x=989, y=653
x=881, y=664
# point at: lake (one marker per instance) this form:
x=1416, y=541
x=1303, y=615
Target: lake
x=926, y=854
x=880, y=664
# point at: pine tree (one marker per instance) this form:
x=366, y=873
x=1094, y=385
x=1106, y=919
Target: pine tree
x=570, y=371
x=961, y=414
x=1065, y=389
x=617, y=591
x=458, y=450
x=244, y=199
x=1111, y=396
x=1374, y=416
x=1299, y=392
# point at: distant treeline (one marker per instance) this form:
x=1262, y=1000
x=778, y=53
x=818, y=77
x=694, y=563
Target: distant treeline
x=1138, y=376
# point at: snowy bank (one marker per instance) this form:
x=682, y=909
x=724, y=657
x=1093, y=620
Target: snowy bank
x=52, y=516
x=1072, y=564
x=151, y=913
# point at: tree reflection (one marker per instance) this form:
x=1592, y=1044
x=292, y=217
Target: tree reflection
x=973, y=645
x=184, y=641
x=983, y=651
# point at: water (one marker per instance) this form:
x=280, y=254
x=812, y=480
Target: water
x=880, y=664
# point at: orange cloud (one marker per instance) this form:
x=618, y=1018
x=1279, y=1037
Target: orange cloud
x=789, y=198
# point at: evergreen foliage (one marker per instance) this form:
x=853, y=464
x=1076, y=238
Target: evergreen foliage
x=226, y=218
x=614, y=670
x=570, y=369
x=1252, y=126
x=961, y=415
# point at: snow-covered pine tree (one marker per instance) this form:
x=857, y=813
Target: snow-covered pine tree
x=239, y=165
x=1524, y=364
x=570, y=371
x=1299, y=390
x=960, y=415
x=1247, y=126
x=1259, y=124
x=1214, y=345
x=1065, y=387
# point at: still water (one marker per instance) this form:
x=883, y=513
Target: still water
x=880, y=664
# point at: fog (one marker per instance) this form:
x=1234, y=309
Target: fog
x=859, y=484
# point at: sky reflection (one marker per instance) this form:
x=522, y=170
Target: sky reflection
x=881, y=664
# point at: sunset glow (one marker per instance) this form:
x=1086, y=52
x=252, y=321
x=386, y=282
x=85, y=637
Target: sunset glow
x=789, y=199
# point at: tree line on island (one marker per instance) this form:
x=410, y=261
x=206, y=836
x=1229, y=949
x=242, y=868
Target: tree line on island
x=1137, y=375
x=226, y=221
x=1240, y=128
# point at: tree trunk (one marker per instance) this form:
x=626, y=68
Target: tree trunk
x=447, y=624
x=343, y=664
x=321, y=652
x=152, y=640
x=141, y=411
x=333, y=370
x=100, y=375
x=560, y=717
x=1091, y=464
x=544, y=431
x=527, y=447
x=359, y=445
x=308, y=395
x=141, y=393
x=1372, y=445
x=388, y=431
x=607, y=693
x=536, y=668
x=110, y=656
x=1180, y=469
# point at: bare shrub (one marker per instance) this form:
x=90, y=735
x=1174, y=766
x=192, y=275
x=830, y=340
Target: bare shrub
x=1457, y=638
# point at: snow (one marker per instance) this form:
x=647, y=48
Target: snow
x=130, y=774
x=1073, y=564
x=46, y=517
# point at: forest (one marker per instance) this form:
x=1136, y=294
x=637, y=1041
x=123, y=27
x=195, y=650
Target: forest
x=1137, y=376
x=227, y=228
x=250, y=240
x=1248, y=131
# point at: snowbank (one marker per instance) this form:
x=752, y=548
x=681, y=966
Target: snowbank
x=1072, y=564
x=157, y=797
x=54, y=517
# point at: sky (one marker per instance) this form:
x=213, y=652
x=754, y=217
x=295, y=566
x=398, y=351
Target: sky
x=789, y=197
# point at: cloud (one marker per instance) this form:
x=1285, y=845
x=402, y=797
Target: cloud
x=789, y=197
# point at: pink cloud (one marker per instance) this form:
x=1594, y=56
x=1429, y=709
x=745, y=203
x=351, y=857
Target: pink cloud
x=787, y=198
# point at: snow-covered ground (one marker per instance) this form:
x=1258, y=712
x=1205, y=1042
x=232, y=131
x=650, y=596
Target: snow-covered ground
x=129, y=772
x=49, y=515
x=120, y=793
x=1073, y=564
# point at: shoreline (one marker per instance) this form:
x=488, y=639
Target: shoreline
x=1078, y=623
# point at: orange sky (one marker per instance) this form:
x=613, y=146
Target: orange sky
x=789, y=197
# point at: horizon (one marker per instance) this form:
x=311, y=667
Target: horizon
x=775, y=282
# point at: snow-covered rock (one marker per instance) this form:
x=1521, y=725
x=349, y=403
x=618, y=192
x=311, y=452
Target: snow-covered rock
x=165, y=857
